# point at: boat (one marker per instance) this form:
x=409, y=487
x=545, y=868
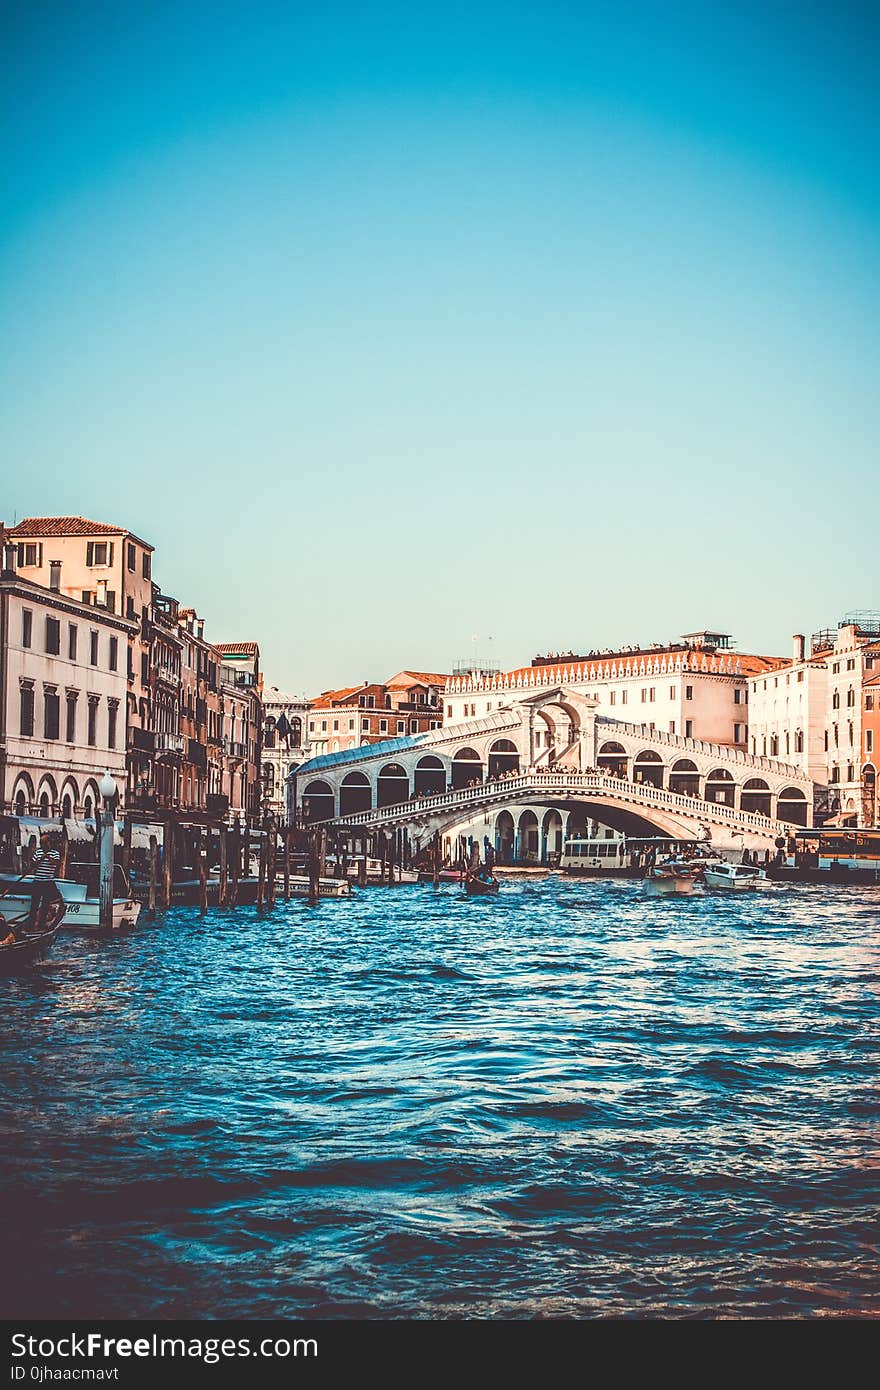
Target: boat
x=79, y=894
x=676, y=876
x=719, y=873
x=29, y=948
x=477, y=887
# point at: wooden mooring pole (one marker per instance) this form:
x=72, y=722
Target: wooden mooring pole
x=154, y=875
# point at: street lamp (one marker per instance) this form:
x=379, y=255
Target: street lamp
x=108, y=788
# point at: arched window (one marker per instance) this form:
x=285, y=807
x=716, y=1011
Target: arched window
x=466, y=768
x=684, y=777
x=392, y=785
x=503, y=758
x=648, y=768
x=355, y=794
x=318, y=802
x=430, y=776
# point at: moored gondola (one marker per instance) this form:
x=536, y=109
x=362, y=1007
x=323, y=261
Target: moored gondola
x=29, y=948
x=476, y=886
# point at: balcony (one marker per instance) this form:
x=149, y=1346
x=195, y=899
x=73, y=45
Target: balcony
x=169, y=743
x=234, y=750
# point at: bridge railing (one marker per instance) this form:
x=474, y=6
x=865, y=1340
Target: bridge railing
x=639, y=793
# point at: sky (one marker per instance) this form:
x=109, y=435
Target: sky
x=409, y=332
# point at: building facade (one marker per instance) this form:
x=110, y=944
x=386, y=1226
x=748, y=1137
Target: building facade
x=63, y=686
x=242, y=714
x=285, y=745
x=407, y=704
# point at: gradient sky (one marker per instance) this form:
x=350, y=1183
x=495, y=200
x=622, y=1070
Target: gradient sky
x=394, y=324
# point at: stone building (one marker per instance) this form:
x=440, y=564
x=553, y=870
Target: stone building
x=285, y=745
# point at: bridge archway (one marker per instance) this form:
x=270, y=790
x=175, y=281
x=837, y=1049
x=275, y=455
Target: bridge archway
x=318, y=802
x=505, y=835
x=551, y=835
x=648, y=768
x=613, y=758
x=791, y=806
x=755, y=796
x=528, y=838
x=684, y=777
x=392, y=785
x=467, y=767
x=355, y=794
x=720, y=787
x=503, y=757
x=429, y=778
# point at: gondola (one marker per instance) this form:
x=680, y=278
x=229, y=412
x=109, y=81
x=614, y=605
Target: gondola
x=477, y=887
x=28, y=950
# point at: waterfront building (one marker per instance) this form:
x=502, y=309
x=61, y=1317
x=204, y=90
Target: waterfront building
x=158, y=783
x=107, y=567
x=787, y=711
x=696, y=688
x=409, y=703
x=201, y=719
x=242, y=714
x=63, y=686
x=285, y=745
x=852, y=658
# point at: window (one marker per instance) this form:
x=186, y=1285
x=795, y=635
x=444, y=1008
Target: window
x=51, y=712
x=114, y=653
x=323, y=726
x=739, y=733
x=111, y=601
x=835, y=668
x=145, y=565
x=869, y=740
x=850, y=772
x=30, y=553
x=336, y=726
x=644, y=697
x=850, y=697
x=739, y=696
x=93, y=648
x=112, y=714
x=836, y=737
x=131, y=557
x=401, y=726
x=826, y=740
x=835, y=774
x=383, y=726
x=414, y=726
x=850, y=729
x=365, y=726
x=99, y=553
x=799, y=741
x=689, y=692
x=27, y=626
x=53, y=636
x=688, y=728
x=652, y=694
x=350, y=725
x=851, y=665
x=371, y=700
x=774, y=746
x=55, y=575
x=612, y=698
x=623, y=697
x=70, y=730
x=145, y=669
x=672, y=692
x=672, y=726
x=93, y=720
x=71, y=641
x=869, y=701
x=448, y=711
x=87, y=596
x=835, y=700
x=129, y=607
x=26, y=709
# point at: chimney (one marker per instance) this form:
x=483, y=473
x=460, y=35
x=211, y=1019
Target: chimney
x=200, y=623
x=101, y=595
x=10, y=552
x=797, y=647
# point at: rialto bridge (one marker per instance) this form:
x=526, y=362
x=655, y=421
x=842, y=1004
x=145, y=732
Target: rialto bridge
x=532, y=773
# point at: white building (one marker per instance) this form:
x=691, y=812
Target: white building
x=697, y=688
x=787, y=712
x=63, y=684
x=285, y=745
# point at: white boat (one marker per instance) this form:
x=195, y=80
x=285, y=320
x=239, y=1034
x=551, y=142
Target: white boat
x=720, y=874
x=679, y=876
x=327, y=887
x=81, y=904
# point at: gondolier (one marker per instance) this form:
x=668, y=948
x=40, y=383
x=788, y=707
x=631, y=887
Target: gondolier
x=45, y=870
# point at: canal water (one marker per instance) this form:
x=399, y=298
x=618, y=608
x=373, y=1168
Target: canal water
x=571, y=1101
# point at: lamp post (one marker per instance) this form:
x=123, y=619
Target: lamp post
x=109, y=796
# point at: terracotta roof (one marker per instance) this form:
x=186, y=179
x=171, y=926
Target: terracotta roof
x=621, y=666
x=69, y=526
x=428, y=677
x=245, y=648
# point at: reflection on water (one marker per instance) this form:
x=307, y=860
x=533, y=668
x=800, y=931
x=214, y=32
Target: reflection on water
x=571, y=1100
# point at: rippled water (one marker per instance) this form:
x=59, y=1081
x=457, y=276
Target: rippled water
x=570, y=1101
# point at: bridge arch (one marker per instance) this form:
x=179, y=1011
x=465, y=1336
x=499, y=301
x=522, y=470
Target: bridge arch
x=503, y=757
x=318, y=801
x=613, y=757
x=552, y=833
x=528, y=836
x=684, y=777
x=355, y=794
x=467, y=767
x=720, y=787
x=505, y=836
x=791, y=806
x=755, y=796
x=648, y=768
x=392, y=785
x=429, y=778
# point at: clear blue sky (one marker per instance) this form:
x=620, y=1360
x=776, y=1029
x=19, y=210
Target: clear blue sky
x=392, y=324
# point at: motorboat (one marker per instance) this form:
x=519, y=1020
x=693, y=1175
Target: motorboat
x=721, y=874
x=677, y=876
x=79, y=893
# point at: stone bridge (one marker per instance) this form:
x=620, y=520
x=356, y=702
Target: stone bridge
x=553, y=751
